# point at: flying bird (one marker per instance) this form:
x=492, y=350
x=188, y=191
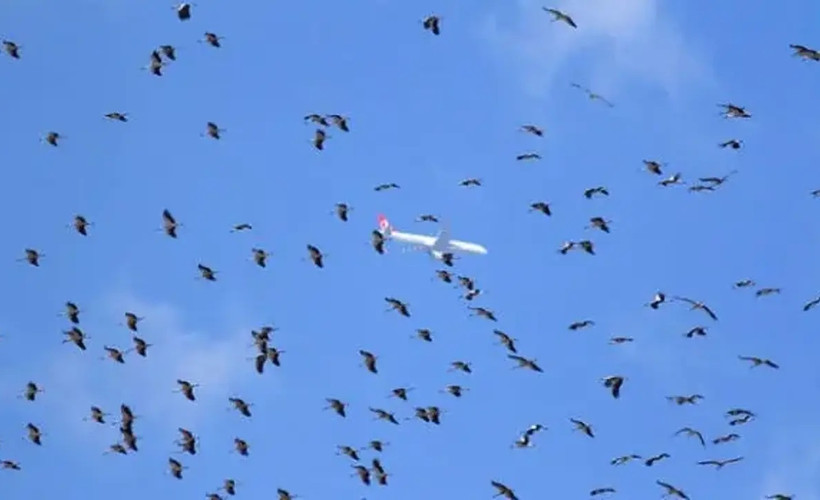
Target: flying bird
x=117, y=116
x=528, y=363
x=431, y=23
x=601, y=190
x=649, y=462
x=805, y=53
x=340, y=122
x=212, y=39
x=759, y=361
x=483, y=312
x=593, y=96
x=811, y=304
x=731, y=143
x=719, y=464
x=502, y=490
x=169, y=224
x=532, y=129
x=582, y=426
x=342, y=210
x=733, y=111
x=183, y=11
x=12, y=49
x=672, y=491
x=316, y=256
x=541, y=206
x=397, y=305
x=614, y=383
x=692, y=433
x=557, y=15
x=528, y=156
x=698, y=305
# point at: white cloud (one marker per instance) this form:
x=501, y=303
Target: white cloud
x=618, y=41
x=216, y=361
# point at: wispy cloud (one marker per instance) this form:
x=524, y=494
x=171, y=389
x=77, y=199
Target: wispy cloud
x=619, y=41
x=216, y=361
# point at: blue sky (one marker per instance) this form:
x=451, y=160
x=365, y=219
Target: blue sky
x=425, y=112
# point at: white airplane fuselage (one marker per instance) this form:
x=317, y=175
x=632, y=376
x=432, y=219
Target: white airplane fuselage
x=430, y=242
x=436, y=245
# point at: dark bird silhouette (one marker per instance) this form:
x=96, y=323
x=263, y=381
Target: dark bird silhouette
x=811, y=304
x=12, y=49
x=213, y=131
x=319, y=138
x=169, y=224
x=731, y=143
x=397, y=305
x=532, y=129
x=541, y=206
x=589, y=193
x=719, y=464
x=384, y=415
x=260, y=257
x=683, y=400
x=557, y=15
x=377, y=241
x=672, y=491
x=32, y=257
x=527, y=363
x=340, y=121
x=692, y=433
x=342, y=210
x=733, y=111
x=81, y=224
x=72, y=312
x=502, y=490
x=369, y=360
x=698, y=305
x=649, y=462
x=140, y=346
x=593, y=96
x=483, y=312
x=582, y=426
x=759, y=362
x=431, y=23
x=506, y=340
x=183, y=11
x=206, y=272
x=316, y=256
x=117, y=116
x=601, y=491
x=241, y=406
x=805, y=53
x=213, y=39
x=187, y=389
x=614, y=384
x=528, y=156
x=337, y=406
x=169, y=51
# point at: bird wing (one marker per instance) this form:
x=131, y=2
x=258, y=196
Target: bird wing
x=711, y=313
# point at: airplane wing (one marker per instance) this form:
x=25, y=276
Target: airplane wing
x=442, y=241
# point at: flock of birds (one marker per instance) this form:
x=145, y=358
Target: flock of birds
x=267, y=356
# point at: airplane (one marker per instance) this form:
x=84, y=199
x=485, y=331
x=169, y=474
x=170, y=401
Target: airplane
x=439, y=247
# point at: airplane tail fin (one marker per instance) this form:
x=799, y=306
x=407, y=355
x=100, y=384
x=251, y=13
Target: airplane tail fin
x=384, y=225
